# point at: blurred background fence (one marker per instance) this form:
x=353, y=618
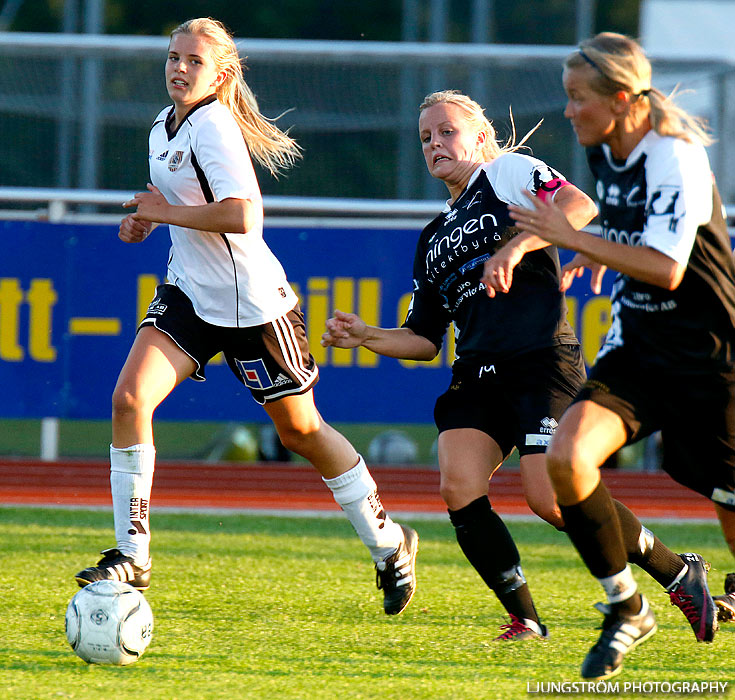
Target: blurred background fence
x=75, y=109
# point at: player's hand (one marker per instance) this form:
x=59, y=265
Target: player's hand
x=134, y=230
x=344, y=331
x=152, y=205
x=497, y=273
x=543, y=219
x=576, y=267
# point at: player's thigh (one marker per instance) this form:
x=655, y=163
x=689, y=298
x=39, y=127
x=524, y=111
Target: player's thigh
x=154, y=367
x=587, y=435
x=467, y=459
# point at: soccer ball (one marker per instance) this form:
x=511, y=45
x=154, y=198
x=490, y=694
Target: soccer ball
x=109, y=622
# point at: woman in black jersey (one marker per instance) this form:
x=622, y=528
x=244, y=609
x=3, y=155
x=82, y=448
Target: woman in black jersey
x=518, y=361
x=668, y=361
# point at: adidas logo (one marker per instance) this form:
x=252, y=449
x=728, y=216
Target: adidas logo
x=281, y=379
x=163, y=156
x=549, y=425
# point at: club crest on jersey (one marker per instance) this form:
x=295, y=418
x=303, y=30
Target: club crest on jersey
x=175, y=161
x=254, y=374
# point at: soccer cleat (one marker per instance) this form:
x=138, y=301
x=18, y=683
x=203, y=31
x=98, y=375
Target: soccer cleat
x=519, y=630
x=115, y=566
x=395, y=575
x=726, y=603
x=620, y=633
x=690, y=594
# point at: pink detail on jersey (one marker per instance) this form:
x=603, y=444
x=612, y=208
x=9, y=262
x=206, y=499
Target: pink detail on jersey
x=549, y=189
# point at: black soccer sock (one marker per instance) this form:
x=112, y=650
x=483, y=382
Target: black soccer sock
x=489, y=547
x=646, y=550
x=594, y=529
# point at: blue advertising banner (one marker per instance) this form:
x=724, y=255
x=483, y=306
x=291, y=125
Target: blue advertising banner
x=71, y=297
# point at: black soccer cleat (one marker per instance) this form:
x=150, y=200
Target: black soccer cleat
x=115, y=566
x=395, y=575
x=620, y=634
x=691, y=595
x=520, y=630
x=726, y=603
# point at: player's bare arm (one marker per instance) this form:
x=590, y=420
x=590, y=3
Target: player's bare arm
x=231, y=215
x=548, y=221
x=350, y=331
x=498, y=271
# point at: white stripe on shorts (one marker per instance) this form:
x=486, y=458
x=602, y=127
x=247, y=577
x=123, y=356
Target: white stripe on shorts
x=290, y=349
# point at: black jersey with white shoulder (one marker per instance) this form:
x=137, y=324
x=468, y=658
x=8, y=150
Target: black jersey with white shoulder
x=664, y=196
x=448, y=267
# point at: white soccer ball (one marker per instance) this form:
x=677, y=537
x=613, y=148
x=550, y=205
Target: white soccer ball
x=108, y=622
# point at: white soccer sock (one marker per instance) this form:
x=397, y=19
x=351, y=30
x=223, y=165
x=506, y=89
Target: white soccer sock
x=131, y=479
x=620, y=586
x=357, y=494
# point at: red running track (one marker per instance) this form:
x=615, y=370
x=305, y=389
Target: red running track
x=269, y=486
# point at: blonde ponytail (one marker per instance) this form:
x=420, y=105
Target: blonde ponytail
x=274, y=149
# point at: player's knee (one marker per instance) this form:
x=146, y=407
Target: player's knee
x=299, y=436
x=125, y=403
x=455, y=493
x=558, y=463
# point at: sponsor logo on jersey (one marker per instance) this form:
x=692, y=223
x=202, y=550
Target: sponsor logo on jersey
x=536, y=440
x=157, y=308
x=254, y=374
x=162, y=156
x=175, y=161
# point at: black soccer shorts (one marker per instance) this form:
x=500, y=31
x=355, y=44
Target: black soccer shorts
x=694, y=412
x=272, y=360
x=518, y=401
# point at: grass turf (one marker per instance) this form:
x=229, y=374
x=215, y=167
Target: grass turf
x=251, y=606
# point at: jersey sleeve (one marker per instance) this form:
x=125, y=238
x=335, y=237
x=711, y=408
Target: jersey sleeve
x=512, y=173
x=679, y=197
x=220, y=150
x=427, y=315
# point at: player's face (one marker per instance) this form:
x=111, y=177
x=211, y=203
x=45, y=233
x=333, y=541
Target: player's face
x=191, y=73
x=590, y=113
x=450, y=145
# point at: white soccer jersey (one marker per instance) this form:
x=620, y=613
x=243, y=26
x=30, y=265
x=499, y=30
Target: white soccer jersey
x=232, y=279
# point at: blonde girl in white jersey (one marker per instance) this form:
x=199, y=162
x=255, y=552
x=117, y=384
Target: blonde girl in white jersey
x=218, y=299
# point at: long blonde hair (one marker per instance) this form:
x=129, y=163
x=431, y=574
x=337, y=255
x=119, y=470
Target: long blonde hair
x=475, y=117
x=271, y=147
x=621, y=64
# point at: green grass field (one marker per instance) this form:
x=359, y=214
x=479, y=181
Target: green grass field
x=251, y=606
